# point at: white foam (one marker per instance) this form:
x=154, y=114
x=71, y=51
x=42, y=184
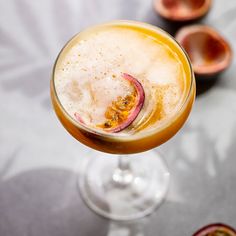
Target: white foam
x=89, y=76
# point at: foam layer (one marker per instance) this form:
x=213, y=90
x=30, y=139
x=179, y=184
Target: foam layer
x=89, y=76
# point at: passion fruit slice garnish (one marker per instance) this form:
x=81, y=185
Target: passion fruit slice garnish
x=124, y=110
x=217, y=229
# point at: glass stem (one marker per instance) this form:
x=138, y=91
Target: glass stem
x=123, y=175
x=123, y=163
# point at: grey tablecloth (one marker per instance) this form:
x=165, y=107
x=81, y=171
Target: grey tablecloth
x=39, y=159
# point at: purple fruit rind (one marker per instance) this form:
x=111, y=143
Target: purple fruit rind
x=211, y=227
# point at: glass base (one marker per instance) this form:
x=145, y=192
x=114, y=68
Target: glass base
x=124, y=194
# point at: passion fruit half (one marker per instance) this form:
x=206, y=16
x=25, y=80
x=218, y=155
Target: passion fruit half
x=209, y=52
x=217, y=229
x=124, y=110
x=182, y=10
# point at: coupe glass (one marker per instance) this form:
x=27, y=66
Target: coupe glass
x=132, y=183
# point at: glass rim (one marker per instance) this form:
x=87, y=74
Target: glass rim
x=138, y=135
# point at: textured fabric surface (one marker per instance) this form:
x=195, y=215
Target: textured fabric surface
x=38, y=158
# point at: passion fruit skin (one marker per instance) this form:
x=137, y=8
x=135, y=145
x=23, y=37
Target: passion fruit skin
x=216, y=229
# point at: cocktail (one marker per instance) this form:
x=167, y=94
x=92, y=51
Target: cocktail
x=123, y=87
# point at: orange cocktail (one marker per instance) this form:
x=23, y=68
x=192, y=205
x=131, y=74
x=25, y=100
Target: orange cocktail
x=88, y=78
x=123, y=87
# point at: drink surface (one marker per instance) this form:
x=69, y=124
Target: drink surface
x=91, y=85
